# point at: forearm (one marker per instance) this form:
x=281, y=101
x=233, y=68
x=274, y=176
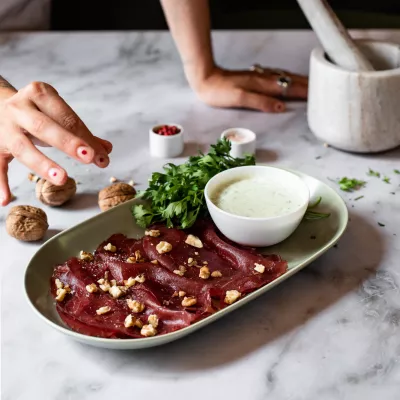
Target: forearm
x=189, y=23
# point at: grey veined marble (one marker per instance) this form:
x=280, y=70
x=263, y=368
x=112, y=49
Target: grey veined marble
x=329, y=333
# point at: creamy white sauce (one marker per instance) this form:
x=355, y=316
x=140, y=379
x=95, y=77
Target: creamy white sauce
x=256, y=198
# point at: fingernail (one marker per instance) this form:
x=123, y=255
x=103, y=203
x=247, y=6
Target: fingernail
x=84, y=152
x=102, y=160
x=55, y=174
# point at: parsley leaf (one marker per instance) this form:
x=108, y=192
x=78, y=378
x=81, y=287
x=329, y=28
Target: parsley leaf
x=396, y=171
x=176, y=197
x=373, y=173
x=313, y=215
x=350, y=184
x=386, y=179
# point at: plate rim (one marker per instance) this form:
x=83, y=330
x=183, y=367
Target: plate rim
x=137, y=343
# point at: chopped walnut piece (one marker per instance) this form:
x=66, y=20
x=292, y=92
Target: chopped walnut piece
x=139, y=323
x=191, y=262
x=33, y=177
x=61, y=293
x=129, y=321
x=113, y=179
x=131, y=260
x=153, y=233
x=67, y=288
x=153, y=320
x=216, y=274
x=148, y=330
x=131, y=182
x=86, y=256
x=154, y=262
x=140, y=278
x=129, y=282
x=110, y=247
x=116, y=292
x=92, y=288
x=259, y=268
x=104, y=284
x=196, y=253
x=189, y=301
x=103, y=310
x=113, y=282
x=175, y=294
x=135, y=306
x=181, y=293
x=178, y=272
x=164, y=247
x=138, y=256
x=231, y=296
x=194, y=241
x=205, y=262
x=204, y=273
x=59, y=284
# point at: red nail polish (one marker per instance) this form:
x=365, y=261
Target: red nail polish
x=84, y=152
x=54, y=173
x=101, y=159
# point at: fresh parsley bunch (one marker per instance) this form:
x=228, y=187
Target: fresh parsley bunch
x=177, y=195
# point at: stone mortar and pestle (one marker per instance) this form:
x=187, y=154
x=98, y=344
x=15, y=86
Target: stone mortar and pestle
x=354, y=86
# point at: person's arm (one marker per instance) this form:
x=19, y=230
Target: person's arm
x=189, y=23
x=36, y=113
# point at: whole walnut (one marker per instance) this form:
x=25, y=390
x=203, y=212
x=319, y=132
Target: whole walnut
x=53, y=195
x=115, y=194
x=26, y=223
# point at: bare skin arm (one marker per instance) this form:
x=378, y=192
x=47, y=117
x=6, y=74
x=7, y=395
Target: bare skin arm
x=189, y=23
x=36, y=113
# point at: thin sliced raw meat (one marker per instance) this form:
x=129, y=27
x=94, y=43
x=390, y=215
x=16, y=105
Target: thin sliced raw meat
x=163, y=281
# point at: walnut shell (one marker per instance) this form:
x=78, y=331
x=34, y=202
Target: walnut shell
x=26, y=223
x=115, y=194
x=53, y=195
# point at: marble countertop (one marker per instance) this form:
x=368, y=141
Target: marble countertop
x=330, y=332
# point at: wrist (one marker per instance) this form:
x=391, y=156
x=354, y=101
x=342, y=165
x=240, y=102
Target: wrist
x=198, y=72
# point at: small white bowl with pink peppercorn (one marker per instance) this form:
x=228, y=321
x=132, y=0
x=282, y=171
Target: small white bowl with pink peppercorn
x=166, y=141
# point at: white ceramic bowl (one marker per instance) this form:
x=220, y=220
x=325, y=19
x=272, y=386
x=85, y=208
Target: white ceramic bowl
x=247, y=145
x=257, y=232
x=166, y=146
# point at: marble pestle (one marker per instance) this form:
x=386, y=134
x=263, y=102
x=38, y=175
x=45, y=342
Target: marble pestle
x=333, y=36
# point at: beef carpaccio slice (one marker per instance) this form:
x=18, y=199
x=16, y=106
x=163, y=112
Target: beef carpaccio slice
x=160, y=290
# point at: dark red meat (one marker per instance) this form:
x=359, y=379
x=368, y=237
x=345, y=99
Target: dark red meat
x=158, y=291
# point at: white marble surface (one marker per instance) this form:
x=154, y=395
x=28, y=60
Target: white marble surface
x=331, y=332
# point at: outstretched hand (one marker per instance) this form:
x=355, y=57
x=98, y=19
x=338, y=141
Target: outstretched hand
x=37, y=114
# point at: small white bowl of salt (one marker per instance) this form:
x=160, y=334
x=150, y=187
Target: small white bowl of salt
x=243, y=141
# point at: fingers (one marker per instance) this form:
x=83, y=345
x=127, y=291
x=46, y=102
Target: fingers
x=261, y=102
x=106, y=144
x=268, y=84
x=59, y=126
x=5, y=193
x=25, y=152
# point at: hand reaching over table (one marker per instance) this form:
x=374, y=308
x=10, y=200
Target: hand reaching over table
x=37, y=115
x=259, y=88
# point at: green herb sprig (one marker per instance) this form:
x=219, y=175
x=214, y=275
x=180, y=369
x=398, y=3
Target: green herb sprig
x=313, y=215
x=371, y=172
x=177, y=195
x=350, y=184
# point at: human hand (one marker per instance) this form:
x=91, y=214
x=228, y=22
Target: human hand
x=36, y=114
x=249, y=89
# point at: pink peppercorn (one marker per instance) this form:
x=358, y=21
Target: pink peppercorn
x=167, y=130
